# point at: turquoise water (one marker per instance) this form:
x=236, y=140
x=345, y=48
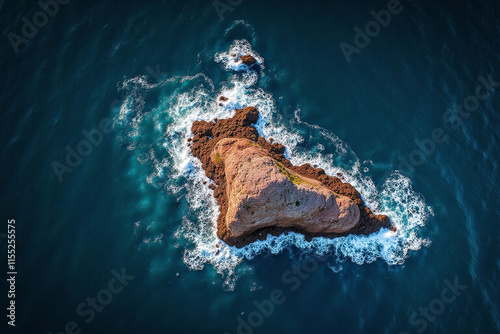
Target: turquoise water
x=123, y=240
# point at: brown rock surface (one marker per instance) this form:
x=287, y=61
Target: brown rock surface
x=264, y=193
x=248, y=60
x=252, y=175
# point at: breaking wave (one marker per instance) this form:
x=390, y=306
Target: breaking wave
x=155, y=122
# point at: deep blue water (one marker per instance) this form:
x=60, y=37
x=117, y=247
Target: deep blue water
x=136, y=204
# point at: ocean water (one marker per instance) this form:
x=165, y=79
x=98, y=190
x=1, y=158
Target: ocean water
x=115, y=230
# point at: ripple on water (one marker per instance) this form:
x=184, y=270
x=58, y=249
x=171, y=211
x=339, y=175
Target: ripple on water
x=175, y=170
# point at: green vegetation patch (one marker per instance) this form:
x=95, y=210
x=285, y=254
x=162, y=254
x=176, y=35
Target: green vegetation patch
x=291, y=176
x=297, y=203
x=218, y=159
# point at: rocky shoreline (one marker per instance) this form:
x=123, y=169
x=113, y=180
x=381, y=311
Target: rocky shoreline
x=233, y=224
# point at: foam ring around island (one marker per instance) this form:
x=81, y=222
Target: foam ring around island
x=183, y=176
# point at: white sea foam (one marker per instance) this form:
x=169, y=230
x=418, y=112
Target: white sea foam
x=175, y=170
x=231, y=62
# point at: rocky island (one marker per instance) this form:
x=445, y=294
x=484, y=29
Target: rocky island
x=260, y=192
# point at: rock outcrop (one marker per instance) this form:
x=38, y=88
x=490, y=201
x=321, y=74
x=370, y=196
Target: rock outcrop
x=260, y=192
x=247, y=60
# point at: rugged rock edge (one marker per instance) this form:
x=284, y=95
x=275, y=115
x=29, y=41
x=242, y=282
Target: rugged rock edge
x=207, y=134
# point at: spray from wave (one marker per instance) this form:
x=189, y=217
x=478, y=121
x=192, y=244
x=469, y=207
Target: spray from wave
x=155, y=122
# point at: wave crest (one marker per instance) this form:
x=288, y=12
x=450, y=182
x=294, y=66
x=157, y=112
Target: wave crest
x=157, y=132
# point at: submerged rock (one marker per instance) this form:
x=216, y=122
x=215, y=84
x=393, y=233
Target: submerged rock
x=260, y=192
